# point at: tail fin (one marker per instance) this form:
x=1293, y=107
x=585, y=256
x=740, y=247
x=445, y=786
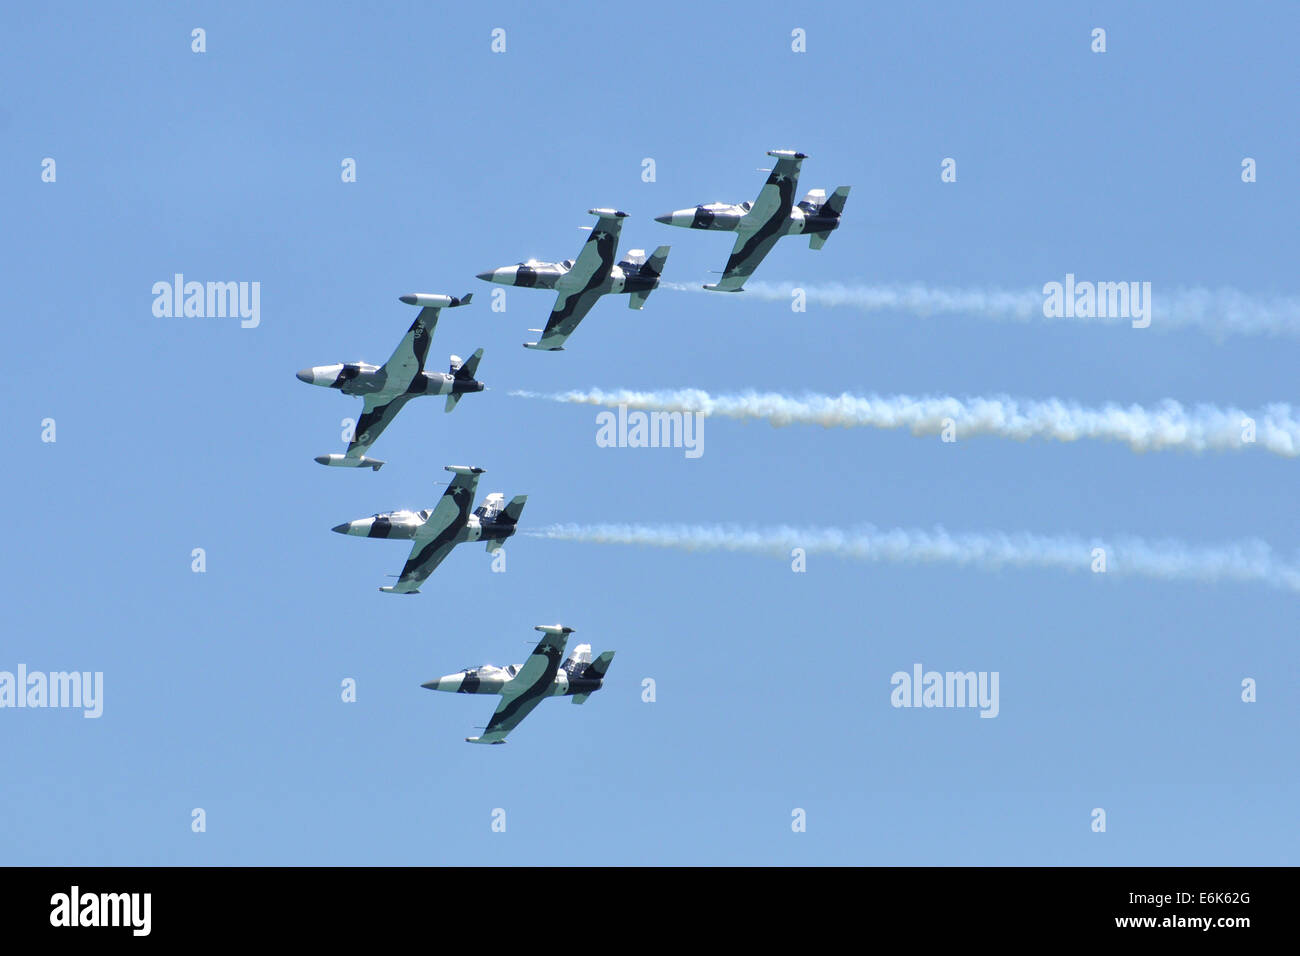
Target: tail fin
x=464, y=372
x=652, y=268
x=513, y=510
x=830, y=209
x=507, y=515
x=597, y=669
x=835, y=205
x=594, y=671
x=470, y=365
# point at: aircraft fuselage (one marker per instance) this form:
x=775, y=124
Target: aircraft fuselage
x=726, y=217
x=361, y=378
x=555, y=275
x=407, y=525
x=494, y=680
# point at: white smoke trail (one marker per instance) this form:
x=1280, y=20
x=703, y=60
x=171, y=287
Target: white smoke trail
x=1166, y=426
x=1244, y=561
x=1220, y=311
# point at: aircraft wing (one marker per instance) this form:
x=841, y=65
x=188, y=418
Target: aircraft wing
x=436, y=538
x=776, y=198
x=763, y=225
x=408, y=359
x=375, y=417
x=579, y=288
x=425, y=557
x=597, y=255
x=750, y=250
x=570, y=309
x=526, y=691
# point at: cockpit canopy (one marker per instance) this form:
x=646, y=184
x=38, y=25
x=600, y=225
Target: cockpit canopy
x=490, y=670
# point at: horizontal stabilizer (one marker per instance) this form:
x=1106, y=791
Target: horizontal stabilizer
x=543, y=348
x=495, y=544
x=344, y=461
x=580, y=698
x=452, y=399
x=818, y=240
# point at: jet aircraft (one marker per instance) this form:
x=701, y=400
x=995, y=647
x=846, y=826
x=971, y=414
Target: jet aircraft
x=580, y=283
x=523, y=688
x=387, y=388
x=761, y=223
x=434, y=533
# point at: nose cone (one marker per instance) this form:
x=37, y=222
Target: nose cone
x=487, y=276
x=679, y=217
x=450, y=683
x=343, y=528
x=408, y=299
x=307, y=375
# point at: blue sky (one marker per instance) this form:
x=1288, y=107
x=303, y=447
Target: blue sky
x=773, y=688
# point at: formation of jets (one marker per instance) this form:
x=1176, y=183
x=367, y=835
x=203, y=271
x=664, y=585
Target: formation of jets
x=578, y=285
